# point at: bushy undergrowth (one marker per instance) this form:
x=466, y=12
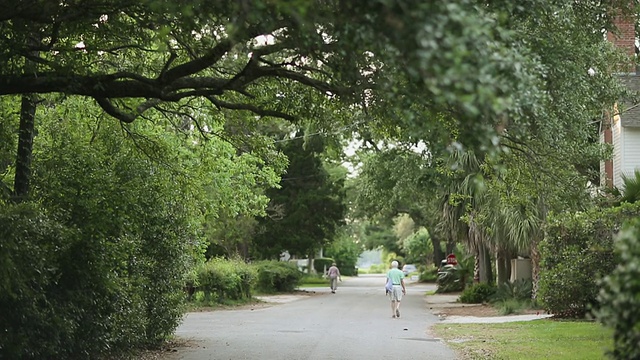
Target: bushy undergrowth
x=512, y=306
x=321, y=264
x=78, y=294
x=508, y=298
x=576, y=253
x=477, y=293
x=35, y=317
x=428, y=275
x=277, y=276
x=450, y=279
x=619, y=295
x=222, y=280
x=513, y=297
x=314, y=280
x=519, y=290
x=377, y=269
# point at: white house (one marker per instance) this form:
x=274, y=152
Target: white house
x=622, y=130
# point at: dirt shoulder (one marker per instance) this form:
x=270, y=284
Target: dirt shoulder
x=446, y=305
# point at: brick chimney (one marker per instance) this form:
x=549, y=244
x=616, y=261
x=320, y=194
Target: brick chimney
x=625, y=37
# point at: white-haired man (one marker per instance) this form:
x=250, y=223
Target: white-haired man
x=396, y=277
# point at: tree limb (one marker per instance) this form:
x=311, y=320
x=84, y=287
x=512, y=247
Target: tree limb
x=254, y=109
x=110, y=109
x=266, y=71
x=197, y=65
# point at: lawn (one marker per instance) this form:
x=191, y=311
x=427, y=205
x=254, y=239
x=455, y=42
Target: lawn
x=540, y=339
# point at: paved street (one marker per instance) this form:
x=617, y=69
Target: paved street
x=355, y=323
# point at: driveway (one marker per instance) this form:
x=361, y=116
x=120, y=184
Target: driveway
x=354, y=323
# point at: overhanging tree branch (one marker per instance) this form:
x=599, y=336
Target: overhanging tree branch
x=248, y=107
x=197, y=65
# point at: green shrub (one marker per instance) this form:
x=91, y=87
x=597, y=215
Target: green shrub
x=378, y=269
x=450, y=279
x=78, y=294
x=619, y=300
x=576, y=253
x=320, y=264
x=429, y=275
x=222, y=280
x=477, y=293
x=519, y=290
x=512, y=306
x=34, y=321
x=345, y=252
x=314, y=280
x=277, y=276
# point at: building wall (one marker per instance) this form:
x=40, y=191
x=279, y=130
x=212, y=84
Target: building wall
x=629, y=153
x=618, y=149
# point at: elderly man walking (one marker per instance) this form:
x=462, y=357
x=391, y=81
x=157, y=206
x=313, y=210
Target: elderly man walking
x=334, y=274
x=396, y=277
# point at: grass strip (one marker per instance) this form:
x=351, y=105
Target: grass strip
x=539, y=339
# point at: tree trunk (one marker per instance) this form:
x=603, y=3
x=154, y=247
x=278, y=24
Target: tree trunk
x=476, y=268
x=437, y=251
x=484, y=262
x=451, y=246
x=26, y=131
x=310, y=268
x=503, y=267
x=535, y=269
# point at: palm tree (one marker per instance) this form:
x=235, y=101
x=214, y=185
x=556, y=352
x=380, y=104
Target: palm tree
x=517, y=229
x=459, y=204
x=631, y=191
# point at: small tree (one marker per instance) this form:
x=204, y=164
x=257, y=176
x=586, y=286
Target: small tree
x=618, y=297
x=345, y=251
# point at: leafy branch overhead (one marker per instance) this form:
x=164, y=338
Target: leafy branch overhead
x=111, y=50
x=397, y=59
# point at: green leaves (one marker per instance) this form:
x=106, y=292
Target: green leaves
x=306, y=212
x=577, y=252
x=619, y=294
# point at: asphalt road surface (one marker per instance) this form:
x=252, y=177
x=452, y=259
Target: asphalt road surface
x=354, y=323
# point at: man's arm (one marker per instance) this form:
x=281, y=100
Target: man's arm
x=403, y=288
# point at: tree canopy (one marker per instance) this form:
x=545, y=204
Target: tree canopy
x=503, y=98
x=480, y=63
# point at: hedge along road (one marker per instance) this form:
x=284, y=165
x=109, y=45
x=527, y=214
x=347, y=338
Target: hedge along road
x=354, y=323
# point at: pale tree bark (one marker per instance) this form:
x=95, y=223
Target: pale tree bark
x=535, y=268
x=476, y=268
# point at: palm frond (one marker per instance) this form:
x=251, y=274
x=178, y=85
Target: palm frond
x=631, y=192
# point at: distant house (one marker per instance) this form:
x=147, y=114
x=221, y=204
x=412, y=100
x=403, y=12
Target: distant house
x=622, y=129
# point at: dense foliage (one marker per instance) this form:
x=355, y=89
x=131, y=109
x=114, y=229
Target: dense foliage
x=577, y=253
x=116, y=209
x=519, y=290
x=277, y=276
x=320, y=265
x=43, y=321
x=345, y=252
x=477, y=293
x=221, y=280
x=306, y=211
x=619, y=294
x=450, y=279
x=114, y=233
